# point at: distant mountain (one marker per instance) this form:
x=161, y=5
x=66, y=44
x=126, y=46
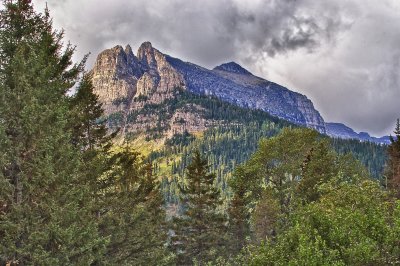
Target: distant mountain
x=125, y=83
x=339, y=130
x=130, y=85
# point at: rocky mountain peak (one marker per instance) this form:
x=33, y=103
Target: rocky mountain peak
x=120, y=78
x=146, y=55
x=146, y=45
x=118, y=49
x=233, y=67
x=126, y=83
x=128, y=50
x=112, y=61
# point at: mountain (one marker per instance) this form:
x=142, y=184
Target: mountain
x=339, y=130
x=167, y=108
x=130, y=85
x=126, y=83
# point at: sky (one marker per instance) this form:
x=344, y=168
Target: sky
x=344, y=55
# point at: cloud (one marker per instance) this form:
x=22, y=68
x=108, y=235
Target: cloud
x=343, y=54
x=355, y=80
x=208, y=31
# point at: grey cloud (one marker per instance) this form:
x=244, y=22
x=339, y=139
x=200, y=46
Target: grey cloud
x=205, y=31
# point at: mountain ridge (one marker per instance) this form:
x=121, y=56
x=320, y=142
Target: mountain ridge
x=340, y=130
x=126, y=83
x=250, y=92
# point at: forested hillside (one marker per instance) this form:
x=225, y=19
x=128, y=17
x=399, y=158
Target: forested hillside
x=230, y=142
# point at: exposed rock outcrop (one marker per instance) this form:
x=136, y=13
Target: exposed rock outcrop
x=125, y=83
x=114, y=79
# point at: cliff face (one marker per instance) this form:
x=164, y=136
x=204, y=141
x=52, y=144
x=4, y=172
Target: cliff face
x=114, y=79
x=119, y=76
x=126, y=84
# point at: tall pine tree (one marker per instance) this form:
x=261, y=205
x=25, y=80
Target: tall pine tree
x=393, y=163
x=88, y=123
x=46, y=208
x=239, y=229
x=131, y=213
x=127, y=204
x=200, y=232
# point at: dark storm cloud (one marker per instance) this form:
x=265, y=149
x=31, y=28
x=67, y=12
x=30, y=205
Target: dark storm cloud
x=343, y=54
x=207, y=31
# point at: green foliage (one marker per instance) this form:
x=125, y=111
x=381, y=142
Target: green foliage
x=87, y=122
x=200, y=231
x=318, y=167
x=46, y=208
x=372, y=155
x=392, y=171
x=322, y=164
x=349, y=225
x=304, y=204
x=130, y=212
x=285, y=172
x=279, y=161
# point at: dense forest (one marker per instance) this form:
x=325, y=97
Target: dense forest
x=232, y=143
x=258, y=191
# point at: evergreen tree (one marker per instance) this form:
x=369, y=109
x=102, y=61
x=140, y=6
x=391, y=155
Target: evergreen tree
x=238, y=212
x=46, y=208
x=127, y=202
x=393, y=163
x=200, y=232
x=132, y=214
x=89, y=130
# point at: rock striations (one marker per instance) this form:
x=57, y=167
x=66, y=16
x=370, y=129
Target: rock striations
x=234, y=84
x=126, y=83
x=119, y=77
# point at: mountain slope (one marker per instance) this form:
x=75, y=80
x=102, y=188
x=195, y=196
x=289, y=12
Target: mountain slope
x=231, y=83
x=127, y=83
